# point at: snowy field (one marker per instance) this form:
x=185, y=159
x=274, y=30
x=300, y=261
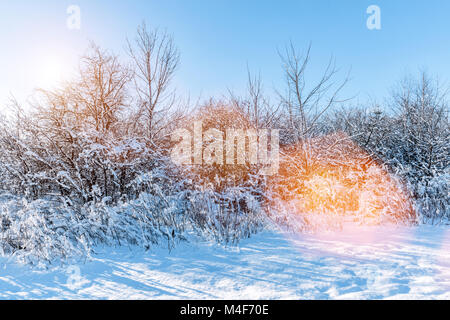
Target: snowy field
x=358, y=263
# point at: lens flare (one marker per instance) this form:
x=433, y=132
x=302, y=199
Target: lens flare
x=330, y=180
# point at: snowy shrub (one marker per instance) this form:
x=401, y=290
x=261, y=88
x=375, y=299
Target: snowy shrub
x=47, y=229
x=433, y=201
x=412, y=137
x=225, y=199
x=226, y=217
x=328, y=180
x=40, y=231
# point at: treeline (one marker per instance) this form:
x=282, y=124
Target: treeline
x=89, y=163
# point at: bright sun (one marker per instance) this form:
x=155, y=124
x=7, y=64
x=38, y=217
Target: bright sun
x=51, y=72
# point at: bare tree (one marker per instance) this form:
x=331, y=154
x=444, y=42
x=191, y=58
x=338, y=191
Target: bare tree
x=305, y=104
x=101, y=93
x=156, y=59
x=255, y=104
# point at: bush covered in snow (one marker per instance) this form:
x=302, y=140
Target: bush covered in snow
x=329, y=180
x=413, y=141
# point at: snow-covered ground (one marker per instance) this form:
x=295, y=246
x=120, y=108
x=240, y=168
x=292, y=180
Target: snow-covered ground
x=358, y=263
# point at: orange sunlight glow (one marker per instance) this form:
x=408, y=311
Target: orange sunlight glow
x=330, y=180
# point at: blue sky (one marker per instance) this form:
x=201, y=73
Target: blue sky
x=218, y=38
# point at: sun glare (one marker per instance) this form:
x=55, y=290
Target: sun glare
x=340, y=181
x=51, y=71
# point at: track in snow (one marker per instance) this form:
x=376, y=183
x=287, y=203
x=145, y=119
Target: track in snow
x=358, y=263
